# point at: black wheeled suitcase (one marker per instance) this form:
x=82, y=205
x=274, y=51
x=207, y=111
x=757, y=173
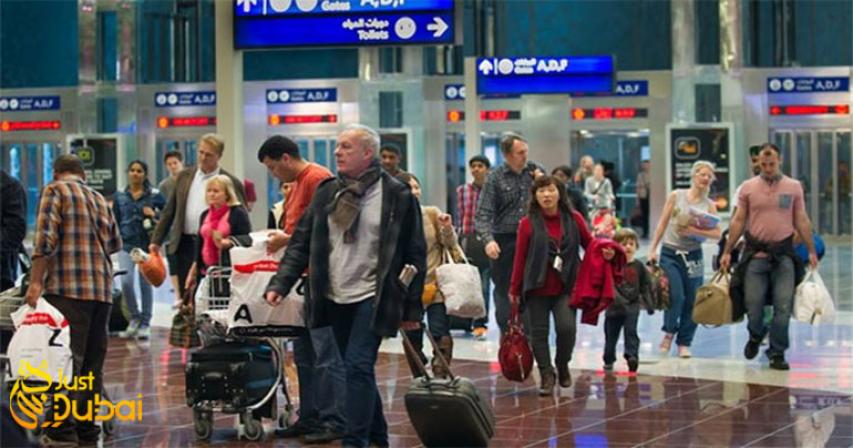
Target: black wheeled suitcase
x=238, y=373
x=447, y=412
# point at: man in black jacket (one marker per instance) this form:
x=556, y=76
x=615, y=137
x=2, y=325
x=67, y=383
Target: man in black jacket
x=13, y=227
x=361, y=240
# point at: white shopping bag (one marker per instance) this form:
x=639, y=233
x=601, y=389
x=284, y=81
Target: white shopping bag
x=462, y=288
x=41, y=343
x=812, y=302
x=251, y=270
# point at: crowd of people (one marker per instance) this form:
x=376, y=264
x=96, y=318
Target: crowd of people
x=369, y=249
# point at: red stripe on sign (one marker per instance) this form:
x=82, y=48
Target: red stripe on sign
x=258, y=266
x=39, y=319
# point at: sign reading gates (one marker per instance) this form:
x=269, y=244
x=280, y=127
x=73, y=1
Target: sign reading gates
x=297, y=23
x=285, y=96
x=794, y=84
x=29, y=103
x=711, y=144
x=34, y=387
x=184, y=99
x=537, y=75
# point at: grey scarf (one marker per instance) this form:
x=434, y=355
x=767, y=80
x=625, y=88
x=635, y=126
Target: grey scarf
x=346, y=207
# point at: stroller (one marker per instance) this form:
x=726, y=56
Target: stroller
x=234, y=372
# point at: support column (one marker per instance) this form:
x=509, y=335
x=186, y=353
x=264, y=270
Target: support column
x=731, y=85
x=683, y=60
x=229, y=91
x=473, y=142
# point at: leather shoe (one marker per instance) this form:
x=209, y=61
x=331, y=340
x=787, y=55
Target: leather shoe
x=546, y=388
x=293, y=431
x=324, y=435
x=751, y=349
x=633, y=363
x=778, y=363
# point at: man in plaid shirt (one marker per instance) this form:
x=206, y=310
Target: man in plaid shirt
x=467, y=196
x=75, y=235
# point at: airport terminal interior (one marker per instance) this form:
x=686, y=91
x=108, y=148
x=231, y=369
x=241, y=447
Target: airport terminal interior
x=644, y=88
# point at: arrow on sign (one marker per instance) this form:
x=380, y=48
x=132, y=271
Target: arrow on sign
x=438, y=27
x=486, y=67
x=246, y=4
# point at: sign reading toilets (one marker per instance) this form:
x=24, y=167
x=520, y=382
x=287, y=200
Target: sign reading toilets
x=298, y=23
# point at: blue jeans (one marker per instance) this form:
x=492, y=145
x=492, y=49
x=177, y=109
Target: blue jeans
x=322, y=380
x=359, y=346
x=615, y=322
x=762, y=276
x=128, y=290
x=502, y=275
x=685, y=272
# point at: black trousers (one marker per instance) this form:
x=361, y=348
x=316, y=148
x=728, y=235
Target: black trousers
x=613, y=324
x=501, y=276
x=184, y=258
x=88, y=320
x=644, y=209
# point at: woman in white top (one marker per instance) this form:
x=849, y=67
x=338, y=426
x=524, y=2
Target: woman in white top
x=683, y=229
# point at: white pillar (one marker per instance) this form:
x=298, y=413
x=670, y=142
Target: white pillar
x=229, y=91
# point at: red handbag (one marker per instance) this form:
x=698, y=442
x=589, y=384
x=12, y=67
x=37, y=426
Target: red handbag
x=515, y=356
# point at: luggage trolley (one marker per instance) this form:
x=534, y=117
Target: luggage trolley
x=214, y=391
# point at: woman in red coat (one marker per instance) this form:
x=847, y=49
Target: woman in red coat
x=547, y=257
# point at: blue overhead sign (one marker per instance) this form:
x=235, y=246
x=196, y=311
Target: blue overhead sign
x=248, y=8
x=632, y=88
x=454, y=92
x=788, y=84
x=183, y=99
x=299, y=23
x=542, y=75
x=287, y=96
x=29, y=103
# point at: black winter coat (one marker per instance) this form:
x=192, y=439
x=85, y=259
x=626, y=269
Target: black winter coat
x=402, y=242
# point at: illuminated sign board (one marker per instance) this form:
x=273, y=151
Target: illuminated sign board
x=185, y=122
x=276, y=119
x=288, y=96
x=795, y=84
x=810, y=109
x=29, y=103
x=544, y=75
x=609, y=113
x=299, y=23
x=39, y=125
x=185, y=99
x=455, y=115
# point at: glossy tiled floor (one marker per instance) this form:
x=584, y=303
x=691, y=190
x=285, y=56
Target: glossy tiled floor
x=599, y=410
x=714, y=399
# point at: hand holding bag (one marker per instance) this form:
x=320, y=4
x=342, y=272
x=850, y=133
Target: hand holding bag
x=461, y=287
x=515, y=355
x=713, y=304
x=183, y=333
x=812, y=301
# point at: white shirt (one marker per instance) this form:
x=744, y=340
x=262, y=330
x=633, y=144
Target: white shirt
x=352, y=267
x=196, y=204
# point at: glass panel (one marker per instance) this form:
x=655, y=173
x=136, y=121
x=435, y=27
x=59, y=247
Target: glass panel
x=845, y=183
x=783, y=141
x=31, y=182
x=321, y=152
x=491, y=148
x=15, y=160
x=826, y=188
x=304, y=145
x=273, y=190
x=47, y=153
x=803, y=167
x=333, y=165
x=190, y=152
x=456, y=163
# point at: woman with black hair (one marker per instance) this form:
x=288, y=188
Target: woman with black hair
x=547, y=258
x=136, y=210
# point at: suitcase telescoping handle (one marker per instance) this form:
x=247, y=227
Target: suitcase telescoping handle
x=413, y=354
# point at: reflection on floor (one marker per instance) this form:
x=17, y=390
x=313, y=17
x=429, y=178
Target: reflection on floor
x=597, y=410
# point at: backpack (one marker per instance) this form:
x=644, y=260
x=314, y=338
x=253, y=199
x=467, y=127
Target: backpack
x=660, y=286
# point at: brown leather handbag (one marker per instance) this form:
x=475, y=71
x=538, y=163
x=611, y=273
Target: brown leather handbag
x=184, y=331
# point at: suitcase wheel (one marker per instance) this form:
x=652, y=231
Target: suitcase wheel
x=203, y=423
x=252, y=428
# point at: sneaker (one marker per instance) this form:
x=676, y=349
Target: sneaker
x=480, y=333
x=608, y=367
x=130, y=331
x=777, y=362
x=750, y=351
x=684, y=351
x=143, y=332
x=666, y=343
x=633, y=363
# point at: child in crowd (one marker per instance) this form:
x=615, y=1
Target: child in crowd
x=634, y=291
